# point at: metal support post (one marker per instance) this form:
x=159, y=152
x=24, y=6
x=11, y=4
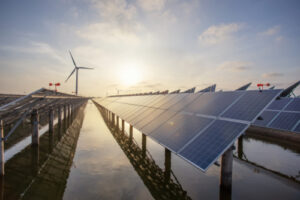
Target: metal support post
x=1, y=149
x=144, y=144
x=167, y=165
x=35, y=127
x=51, y=120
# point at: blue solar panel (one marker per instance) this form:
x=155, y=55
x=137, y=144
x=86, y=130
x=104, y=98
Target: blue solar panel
x=189, y=98
x=251, y=104
x=210, y=144
x=178, y=130
x=266, y=116
x=294, y=105
x=285, y=121
x=149, y=118
x=279, y=104
x=212, y=103
x=297, y=129
x=147, y=129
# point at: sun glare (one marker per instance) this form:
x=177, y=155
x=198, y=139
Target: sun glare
x=130, y=75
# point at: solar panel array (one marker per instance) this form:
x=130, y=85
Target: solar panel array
x=198, y=127
x=283, y=114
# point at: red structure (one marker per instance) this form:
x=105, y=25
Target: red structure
x=261, y=86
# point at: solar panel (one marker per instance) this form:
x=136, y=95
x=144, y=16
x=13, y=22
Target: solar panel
x=266, y=116
x=279, y=104
x=178, y=130
x=209, y=145
x=294, y=105
x=198, y=139
x=297, y=129
x=147, y=129
x=285, y=121
x=212, y=103
x=250, y=104
x=148, y=118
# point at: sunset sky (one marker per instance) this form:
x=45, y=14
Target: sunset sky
x=148, y=45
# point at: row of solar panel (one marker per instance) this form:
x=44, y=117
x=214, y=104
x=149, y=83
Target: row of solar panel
x=283, y=114
x=190, y=124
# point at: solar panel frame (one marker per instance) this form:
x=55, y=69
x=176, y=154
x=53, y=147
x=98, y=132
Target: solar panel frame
x=242, y=110
x=285, y=121
x=175, y=135
x=241, y=130
x=279, y=104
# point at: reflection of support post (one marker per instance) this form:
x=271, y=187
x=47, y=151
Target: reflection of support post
x=226, y=174
x=113, y=118
x=130, y=132
x=35, y=127
x=240, y=147
x=65, y=116
x=167, y=165
x=51, y=118
x=59, y=121
x=1, y=149
x=35, y=156
x=144, y=144
x=69, y=114
x=1, y=187
x=117, y=122
x=123, y=126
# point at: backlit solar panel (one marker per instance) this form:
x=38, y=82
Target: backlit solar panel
x=265, y=118
x=285, y=121
x=294, y=105
x=279, y=104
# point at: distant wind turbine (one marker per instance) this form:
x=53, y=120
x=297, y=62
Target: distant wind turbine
x=76, y=69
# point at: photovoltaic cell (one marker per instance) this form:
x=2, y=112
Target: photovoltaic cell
x=250, y=105
x=189, y=98
x=210, y=144
x=266, y=116
x=212, y=103
x=285, y=121
x=147, y=129
x=279, y=104
x=294, y=105
x=149, y=118
x=297, y=128
x=177, y=131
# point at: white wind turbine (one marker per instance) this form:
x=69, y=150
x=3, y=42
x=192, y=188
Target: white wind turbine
x=76, y=69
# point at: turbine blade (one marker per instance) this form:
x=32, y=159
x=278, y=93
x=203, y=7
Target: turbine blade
x=85, y=68
x=70, y=74
x=72, y=59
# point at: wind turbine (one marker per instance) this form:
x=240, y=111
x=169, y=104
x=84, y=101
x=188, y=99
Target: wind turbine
x=76, y=69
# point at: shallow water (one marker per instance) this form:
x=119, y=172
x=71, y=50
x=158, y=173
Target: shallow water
x=108, y=165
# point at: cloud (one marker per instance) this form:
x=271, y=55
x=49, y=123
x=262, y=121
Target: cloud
x=151, y=5
x=271, y=31
x=235, y=66
x=218, y=33
x=34, y=47
x=272, y=75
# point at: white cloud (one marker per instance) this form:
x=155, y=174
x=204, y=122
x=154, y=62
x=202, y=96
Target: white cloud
x=152, y=5
x=218, y=33
x=235, y=66
x=271, y=31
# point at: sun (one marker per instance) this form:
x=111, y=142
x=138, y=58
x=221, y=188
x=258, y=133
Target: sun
x=130, y=75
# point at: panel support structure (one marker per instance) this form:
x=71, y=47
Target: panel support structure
x=144, y=144
x=130, y=132
x=226, y=170
x=1, y=149
x=35, y=127
x=123, y=126
x=167, y=165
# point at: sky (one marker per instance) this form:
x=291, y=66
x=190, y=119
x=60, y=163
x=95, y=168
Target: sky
x=148, y=45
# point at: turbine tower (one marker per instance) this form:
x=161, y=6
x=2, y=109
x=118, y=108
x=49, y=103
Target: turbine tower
x=76, y=69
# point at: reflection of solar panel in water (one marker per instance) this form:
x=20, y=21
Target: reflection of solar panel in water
x=212, y=143
x=250, y=104
x=266, y=117
x=285, y=121
x=294, y=105
x=279, y=104
x=178, y=130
